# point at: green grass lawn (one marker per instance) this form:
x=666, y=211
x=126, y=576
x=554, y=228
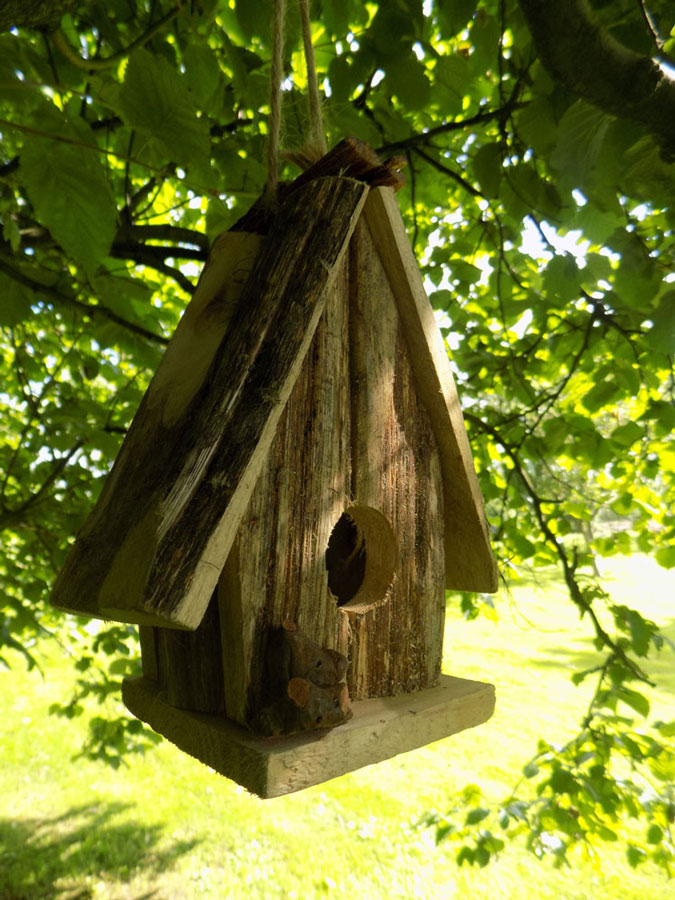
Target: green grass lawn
x=167, y=827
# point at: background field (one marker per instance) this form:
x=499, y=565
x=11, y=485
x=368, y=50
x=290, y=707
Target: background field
x=168, y=828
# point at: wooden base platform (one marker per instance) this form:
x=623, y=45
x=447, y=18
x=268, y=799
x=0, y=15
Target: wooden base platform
x=270, y=767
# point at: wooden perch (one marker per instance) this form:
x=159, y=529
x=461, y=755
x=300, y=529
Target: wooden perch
x=155, y=544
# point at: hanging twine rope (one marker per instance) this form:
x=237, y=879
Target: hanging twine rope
x=316, y=146
x=276, y=75
x=315, y=116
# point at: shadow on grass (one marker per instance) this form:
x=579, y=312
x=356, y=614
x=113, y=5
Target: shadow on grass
x=61, y=858
x=659, y=666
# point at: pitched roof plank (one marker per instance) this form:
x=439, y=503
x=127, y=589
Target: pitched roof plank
x=469, y=563
x=159, y=536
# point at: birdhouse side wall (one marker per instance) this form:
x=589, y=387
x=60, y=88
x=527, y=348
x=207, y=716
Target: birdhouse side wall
x=395, y=645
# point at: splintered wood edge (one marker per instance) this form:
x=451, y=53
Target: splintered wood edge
x=470, y=564
x=271, y=767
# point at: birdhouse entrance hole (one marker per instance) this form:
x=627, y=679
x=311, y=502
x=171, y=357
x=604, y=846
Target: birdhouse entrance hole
x=361, y=557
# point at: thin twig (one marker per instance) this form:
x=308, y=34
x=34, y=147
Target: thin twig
x=449, y=172
x=89, y=309
x=96, y=64
x=13, y=516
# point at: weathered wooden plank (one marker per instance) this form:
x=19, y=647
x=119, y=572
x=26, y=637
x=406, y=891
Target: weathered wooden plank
x=469, y=562
x=190, y=664
x=379, y=729
x=146, y=637
x=396, y=638
x=155, y=557
x=276, y=572
x=180, y=374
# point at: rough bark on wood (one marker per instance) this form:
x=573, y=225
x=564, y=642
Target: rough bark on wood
x=581, y=53
x=190, y=664
x=146, y=636
x=179, y=488
x=276, y=571
x=33, y=13
x=469, y=562
x=396, y=638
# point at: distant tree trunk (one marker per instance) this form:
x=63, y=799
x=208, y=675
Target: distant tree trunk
x=579, y=52
x=33, y=13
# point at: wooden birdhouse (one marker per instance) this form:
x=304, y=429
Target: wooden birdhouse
x=294, y=496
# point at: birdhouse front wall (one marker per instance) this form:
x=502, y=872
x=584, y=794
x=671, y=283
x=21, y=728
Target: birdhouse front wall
x=354, y=465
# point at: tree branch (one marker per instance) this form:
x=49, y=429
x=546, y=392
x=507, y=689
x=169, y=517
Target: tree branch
x=576, y=595
x=456, y=125
x=143, y=233
x=91, y=65
x=33, y=13
x=11, y=517
x=449, y=172
x=579, y=52
x=154, y=257
x=89, y=309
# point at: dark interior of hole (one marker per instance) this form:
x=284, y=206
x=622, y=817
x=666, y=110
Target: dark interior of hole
x=345, y=559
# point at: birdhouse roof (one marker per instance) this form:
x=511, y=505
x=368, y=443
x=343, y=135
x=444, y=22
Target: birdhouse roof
x=152, y=550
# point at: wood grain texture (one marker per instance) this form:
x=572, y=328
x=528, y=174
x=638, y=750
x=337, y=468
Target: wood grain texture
x=353, y=437
x=396, y=639
x=379, y=729
x=276, y=572
x=146, y=637
x=470, y=564
x=190, y=664
x=157, y=541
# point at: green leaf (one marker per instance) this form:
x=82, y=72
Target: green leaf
x=487, y=165
x=635, y=856
x=661, y=336
x=662, y=414
x=665, y=557
x=454, y=15
x=336, y=15
x=71, y=197
x=15, y=301
x=255, y=19
x=537, y=125
x=343, y=78
x=606, y=391
x=205, y=80
x=464, y=271
x=563, y=782
x=453, y=76
x=634, y=699
x=155, y=98
x=406, y=78
x=530, y=770
x=562, y=278
x=11, y=232
x=626, y=435
x=466, y=855
x=654, y=834
x=477, y=815
x=580, y=135
x=393, y=31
